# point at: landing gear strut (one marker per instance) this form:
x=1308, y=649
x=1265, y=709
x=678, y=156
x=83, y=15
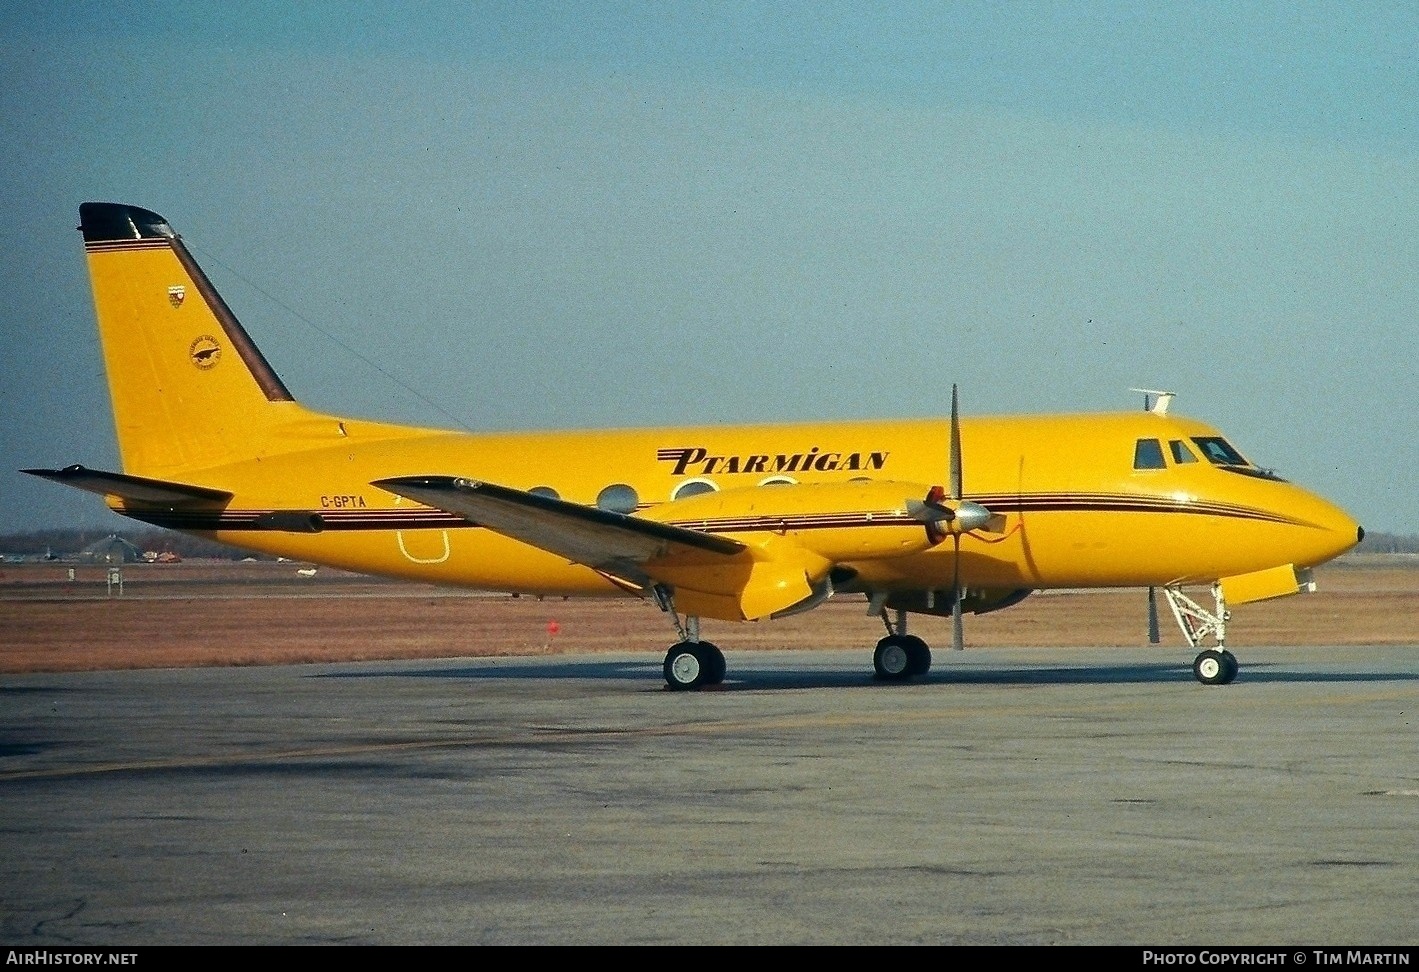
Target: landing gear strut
x=1211, y=667
x=899, y=656
x=690, y=663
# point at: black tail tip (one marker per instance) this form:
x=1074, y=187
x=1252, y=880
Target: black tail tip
x=110, y=222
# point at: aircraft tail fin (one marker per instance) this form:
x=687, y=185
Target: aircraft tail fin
x=189, y=388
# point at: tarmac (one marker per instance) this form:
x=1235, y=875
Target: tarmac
x=1055, y=796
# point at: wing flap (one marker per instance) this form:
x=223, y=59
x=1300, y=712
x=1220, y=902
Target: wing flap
x=617, y=543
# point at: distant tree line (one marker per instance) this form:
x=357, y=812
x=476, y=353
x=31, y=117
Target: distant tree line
x=63, y=543
x=1388, y=543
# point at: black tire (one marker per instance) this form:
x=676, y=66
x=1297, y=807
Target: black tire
x=1232, y=667
x=1211, y=668
x=688, y=665
x=892, y=660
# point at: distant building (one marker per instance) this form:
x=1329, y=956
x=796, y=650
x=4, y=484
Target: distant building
x=112, y=549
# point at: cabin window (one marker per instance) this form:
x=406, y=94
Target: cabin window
x=1148, y=454
x=693, y=487
x=546, y=491
x=618, y=498
x=1219, y=451
x=1181, y=453
x=779, y=481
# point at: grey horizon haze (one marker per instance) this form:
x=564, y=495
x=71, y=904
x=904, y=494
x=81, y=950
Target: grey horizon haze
x=570, y=215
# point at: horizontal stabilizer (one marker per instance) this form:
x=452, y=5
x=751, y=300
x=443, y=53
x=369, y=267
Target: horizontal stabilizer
x=134, y=489
x=614, y=542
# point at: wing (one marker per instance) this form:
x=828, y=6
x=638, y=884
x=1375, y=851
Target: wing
x=614, y=543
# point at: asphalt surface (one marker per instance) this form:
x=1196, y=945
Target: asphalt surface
x=1014, y=796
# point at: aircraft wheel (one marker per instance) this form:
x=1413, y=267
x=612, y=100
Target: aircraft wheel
x=690, y=664
x=892, y=661
x=919, y=655
x=1214, y=667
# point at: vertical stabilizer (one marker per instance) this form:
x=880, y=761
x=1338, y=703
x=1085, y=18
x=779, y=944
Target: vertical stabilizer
x=189, y=388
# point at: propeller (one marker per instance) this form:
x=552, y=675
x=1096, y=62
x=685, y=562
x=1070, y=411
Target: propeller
x=958, y=636
x=946, y=514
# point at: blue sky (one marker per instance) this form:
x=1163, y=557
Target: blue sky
x=535, y=215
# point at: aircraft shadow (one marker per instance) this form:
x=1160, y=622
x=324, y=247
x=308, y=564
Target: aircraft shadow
x=32, y=689
x=758, y=678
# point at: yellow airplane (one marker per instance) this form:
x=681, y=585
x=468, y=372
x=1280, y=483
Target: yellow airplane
x=740, y=523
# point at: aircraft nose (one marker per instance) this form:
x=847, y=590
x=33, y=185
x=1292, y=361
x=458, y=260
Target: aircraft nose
x=1341, y=533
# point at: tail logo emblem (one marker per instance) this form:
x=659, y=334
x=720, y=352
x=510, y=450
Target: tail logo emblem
x=176, y=296
x=205, y=352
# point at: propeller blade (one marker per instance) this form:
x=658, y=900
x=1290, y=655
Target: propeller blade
x=958, y=631
x=1153, y=636
x=958, y=634
x=955, y=460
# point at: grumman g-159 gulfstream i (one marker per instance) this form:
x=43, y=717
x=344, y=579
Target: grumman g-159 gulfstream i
x=929, y=516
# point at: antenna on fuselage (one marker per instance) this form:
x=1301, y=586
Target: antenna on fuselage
x=1155, y=401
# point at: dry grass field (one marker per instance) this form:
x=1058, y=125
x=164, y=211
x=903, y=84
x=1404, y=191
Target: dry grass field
x=211, y=614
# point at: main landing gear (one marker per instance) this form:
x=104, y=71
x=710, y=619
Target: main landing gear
x=1211, y=666
x=899, y=656
x=690, y=663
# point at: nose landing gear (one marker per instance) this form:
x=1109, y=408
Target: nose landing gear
x=1215, y=667
x=1210, y=667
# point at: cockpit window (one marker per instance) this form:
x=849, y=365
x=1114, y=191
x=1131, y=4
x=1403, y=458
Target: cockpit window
x=1219, y=451
x=1181, y=453
x=1148, y=454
